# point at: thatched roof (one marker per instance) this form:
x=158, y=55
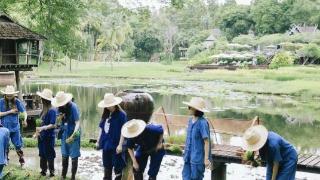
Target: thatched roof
x=9, y=29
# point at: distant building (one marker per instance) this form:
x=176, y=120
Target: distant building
x=295, y=29
x=209, y=42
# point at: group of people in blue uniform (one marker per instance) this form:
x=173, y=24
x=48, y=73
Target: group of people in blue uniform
x=121, y=139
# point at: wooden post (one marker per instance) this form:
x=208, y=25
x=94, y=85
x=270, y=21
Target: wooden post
x=18, y=83
x=219, y=171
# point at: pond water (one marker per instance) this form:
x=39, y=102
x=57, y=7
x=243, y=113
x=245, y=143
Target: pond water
x=297, y=119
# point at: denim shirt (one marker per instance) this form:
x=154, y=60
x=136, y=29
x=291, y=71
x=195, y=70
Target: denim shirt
x=110, y=140
x=49, y=118
x=11, y=121
x=197, y=132
x=70, y=121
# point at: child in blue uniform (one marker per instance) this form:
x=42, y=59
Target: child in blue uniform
x=4, y=145
x=10, y=107
x=70, y=125
x=197, y=150
x=46, y=138
x=110, y=139
x=149, y=142
x=280, y=156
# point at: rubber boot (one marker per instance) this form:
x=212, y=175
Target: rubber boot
x=138, y=175
x=43, y=166
x=65, y=164
x=21, y=159
x=51, y=167
x=74, y=168
x=152, y=178
x=118, y=175
x=107, y=174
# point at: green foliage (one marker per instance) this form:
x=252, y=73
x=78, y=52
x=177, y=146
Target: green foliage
x=310, y=52
x=175, y=149
x=21, y=116
x=146, y=44
x=281, y=59
x=194, y=49
x=269, y=17
x=38, y=122
x=236, y=21
x=245, y=39
x=261, y=59
x=175, y=139
x=32, y=143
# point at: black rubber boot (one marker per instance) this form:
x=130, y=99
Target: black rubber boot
x=107, y=174
x=118, y=175
x=138, y=175
x=65, y=164
x=43, y=166
x=51, y=167
x=153, y=178
x=21, y=159
x=74, y=168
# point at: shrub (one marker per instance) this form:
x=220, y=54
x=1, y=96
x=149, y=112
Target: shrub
x=261, y=59
x=282, y=59
x=245, y=39
x=194, y=49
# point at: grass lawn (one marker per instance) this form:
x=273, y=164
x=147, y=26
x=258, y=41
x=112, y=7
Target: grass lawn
x=297, y=80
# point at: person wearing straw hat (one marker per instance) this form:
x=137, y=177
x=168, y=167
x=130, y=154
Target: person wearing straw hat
x=4, y=145
x=10, y=107
x=280, y=156
x=110, y=139
x=70, y=127
x=197, y=150
x=149, y=142
x=46, y=138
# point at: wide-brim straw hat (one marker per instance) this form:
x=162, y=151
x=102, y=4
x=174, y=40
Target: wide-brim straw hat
x=45, y=94
x=61, y=99
x=254, y=138
x=197, y=103
x=133, y=128
x=9, y=90
x=109, y=100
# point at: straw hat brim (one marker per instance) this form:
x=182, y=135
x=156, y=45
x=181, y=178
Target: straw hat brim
x=11, y=93
x=59, y=104
x=196, y=107
x=254, y=147
x=117, y=101
x=125, y=133
x=43, y=96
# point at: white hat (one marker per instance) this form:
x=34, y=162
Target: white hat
x=61, y=99
x=9, y=90
x=133, y=128
x=45, y=94
x=254, y=138
x=109, y=100
x=197, y=103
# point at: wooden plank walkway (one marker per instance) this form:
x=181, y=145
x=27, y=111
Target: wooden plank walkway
x=227, y=154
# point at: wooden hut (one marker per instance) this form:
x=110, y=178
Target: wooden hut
x=20, y=48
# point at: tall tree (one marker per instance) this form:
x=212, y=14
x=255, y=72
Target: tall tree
x=269, y=17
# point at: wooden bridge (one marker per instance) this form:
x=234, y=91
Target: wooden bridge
x=223, y=154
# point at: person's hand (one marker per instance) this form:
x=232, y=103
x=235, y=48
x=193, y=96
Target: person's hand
x=119, y=149
x=25, y=124
x=135, y=165
x=13, y=111
x=207, y=164
x=240, y=152
x=97, y=145
x=70, y=140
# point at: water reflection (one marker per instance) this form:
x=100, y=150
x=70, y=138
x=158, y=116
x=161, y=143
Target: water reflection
x=287, y=116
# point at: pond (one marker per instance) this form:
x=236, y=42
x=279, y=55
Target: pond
x=297, y=119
